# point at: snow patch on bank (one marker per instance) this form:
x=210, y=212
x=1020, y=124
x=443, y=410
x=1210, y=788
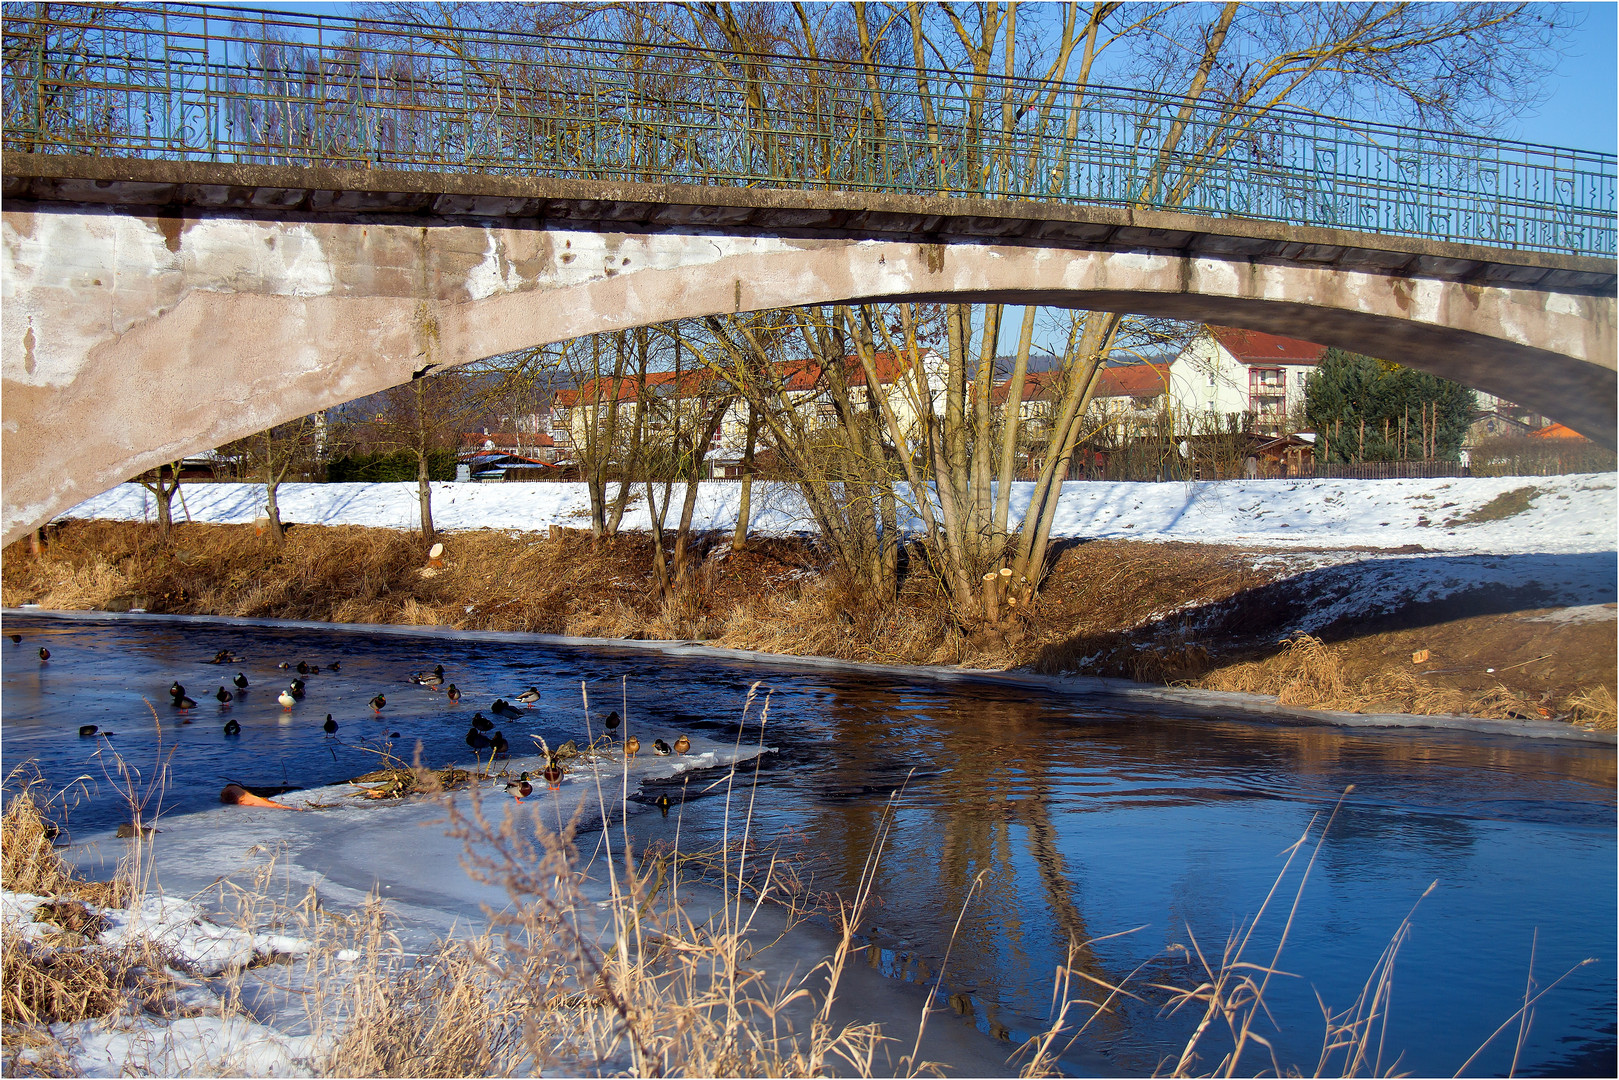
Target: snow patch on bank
x=135, y=1042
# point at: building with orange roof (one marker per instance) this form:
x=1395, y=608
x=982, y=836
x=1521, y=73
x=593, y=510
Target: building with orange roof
x=1557, y=431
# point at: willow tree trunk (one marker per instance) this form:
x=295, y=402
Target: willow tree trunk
x=744, y=506
x=271, y=510
x=424, y=494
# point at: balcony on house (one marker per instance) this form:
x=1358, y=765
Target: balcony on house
x=1267, y=399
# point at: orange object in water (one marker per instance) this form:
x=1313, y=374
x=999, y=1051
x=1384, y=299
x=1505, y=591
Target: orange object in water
x=237, y=795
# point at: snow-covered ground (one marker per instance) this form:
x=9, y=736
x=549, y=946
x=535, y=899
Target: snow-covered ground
x=1575, y=513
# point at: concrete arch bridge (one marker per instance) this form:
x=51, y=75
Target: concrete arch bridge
x=156, y=309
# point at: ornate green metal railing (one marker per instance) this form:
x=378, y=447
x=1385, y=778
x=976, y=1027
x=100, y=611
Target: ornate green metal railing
x=198, y=82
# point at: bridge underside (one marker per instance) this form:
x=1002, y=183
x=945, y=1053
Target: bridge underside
x=137, y=334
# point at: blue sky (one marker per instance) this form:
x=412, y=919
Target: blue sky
x=1583, y=109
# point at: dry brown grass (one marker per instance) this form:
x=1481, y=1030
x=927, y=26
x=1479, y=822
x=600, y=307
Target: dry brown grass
x=1306, y=672
x=62, y=975
x=1311, y=674
x=1595, y=707
x=28, y=859
x=641, y=984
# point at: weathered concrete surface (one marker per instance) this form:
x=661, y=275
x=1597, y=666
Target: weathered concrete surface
x=153, y=309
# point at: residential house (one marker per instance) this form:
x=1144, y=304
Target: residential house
x=666, y=398
x=1128, y=400
x=1226, y=370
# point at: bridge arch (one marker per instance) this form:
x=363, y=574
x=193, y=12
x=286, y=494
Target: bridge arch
x=155, y=315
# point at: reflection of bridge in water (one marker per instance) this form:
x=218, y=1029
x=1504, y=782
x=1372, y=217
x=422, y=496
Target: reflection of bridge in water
x=217, y=220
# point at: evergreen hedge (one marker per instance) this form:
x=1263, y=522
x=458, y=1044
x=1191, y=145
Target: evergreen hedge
x=383, y=468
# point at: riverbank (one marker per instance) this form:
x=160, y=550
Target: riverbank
x=1505, y=610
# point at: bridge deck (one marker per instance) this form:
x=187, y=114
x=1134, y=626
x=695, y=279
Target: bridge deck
x=290, y=191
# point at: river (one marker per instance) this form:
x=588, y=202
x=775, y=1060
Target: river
x=1038, y=819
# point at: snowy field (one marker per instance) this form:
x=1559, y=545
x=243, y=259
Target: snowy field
x=1575, y=513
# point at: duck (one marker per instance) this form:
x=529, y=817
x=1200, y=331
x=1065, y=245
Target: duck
x=566, y=750
x=429, y=678
x=497, y=743
x=529, y=697
x=520, y=788
x=330, y=725
x=297, y=688
x=232, y=727
x=682, y=745
x=334, y=666
x=303, y=668
x=632, y=746
x=224, y=696
x=223, y=656
x=612, y=721
x=660, y=747
x=44, y=653
x=477, y=739
x=240, y=681
x=553, y=775
x=183, y=702
x=87, y=731
x=16, y=639
x=502, y=708
x=287, y=700
x=176, y=690
x=377, y=703
x=452, y=693
x=662, y=803
x=284, y=666
x=481, y=722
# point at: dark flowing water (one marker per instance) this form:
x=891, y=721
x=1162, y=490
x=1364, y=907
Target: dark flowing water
x=1065, y=822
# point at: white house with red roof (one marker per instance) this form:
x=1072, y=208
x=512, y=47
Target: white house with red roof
x=1226, y=370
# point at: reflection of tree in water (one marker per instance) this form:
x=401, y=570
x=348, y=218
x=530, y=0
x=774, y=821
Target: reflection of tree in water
x=983, y=777
x=994, y=779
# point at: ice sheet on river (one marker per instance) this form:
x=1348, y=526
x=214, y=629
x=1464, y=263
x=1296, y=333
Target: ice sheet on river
x=345, y=846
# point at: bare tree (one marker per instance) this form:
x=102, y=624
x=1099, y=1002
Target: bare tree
x=277, y=452
x=422, y=418
x=162, y=482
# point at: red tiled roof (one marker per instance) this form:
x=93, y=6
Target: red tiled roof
x=1124, y=380
x=805, y=374
x=1133, y=380
x=1253, y=347
x=801, y=374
